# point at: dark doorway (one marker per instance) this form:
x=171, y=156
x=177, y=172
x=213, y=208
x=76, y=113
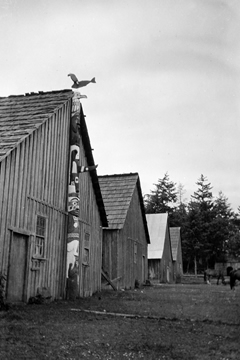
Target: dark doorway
x=229, y=269
x=17, y=267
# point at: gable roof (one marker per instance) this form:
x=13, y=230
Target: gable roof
x=157, y=225
x=21, y=115
x=117, y=191
x=175, y=239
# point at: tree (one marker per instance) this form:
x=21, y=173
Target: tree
x=180, y=193
x=191, y=236
x=162, y=198
x=203, y=196
x=211, y=232
x=221, y=228
x=197, y=232
x=232, y=244
x=179, y=212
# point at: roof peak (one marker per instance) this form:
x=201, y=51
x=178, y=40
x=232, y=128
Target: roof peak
x=37, y=93
x=119, y=175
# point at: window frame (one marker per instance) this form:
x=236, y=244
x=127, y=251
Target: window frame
x=40, y=255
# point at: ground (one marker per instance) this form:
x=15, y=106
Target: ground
x=180, y=321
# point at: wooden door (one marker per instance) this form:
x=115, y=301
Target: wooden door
x=17, y=267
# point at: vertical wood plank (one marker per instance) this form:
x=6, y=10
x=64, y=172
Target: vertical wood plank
x=28, y=177
x=3, y=183
x=14, y=191
x=48, y=164
x=56, y=168
x=50, y=197
x=44, y=158
x=8, y=201
x=20, y=186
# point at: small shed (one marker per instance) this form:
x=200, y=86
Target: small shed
x=228, y=265
x=175, y=236
x=126, y=239
x=35, y=177
x=160, y=260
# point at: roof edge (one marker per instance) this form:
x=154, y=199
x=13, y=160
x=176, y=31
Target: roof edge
x=2, y=158
x=93, y=173
x=143, y=209
x=118, y=175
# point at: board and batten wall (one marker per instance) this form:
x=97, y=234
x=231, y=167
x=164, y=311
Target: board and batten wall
x=90, y=234
x=33, y=182
x=166, y=264
x=161, y=269
x=125, y=250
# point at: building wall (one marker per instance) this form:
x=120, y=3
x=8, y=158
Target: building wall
x=166, y=264
x=110, y=253
x=90, y=234
x=126, y=260
x=33, y=181
x=132, y=254
x=162, y=269
x=227, y=267
x=154, y=269
x=178, y=265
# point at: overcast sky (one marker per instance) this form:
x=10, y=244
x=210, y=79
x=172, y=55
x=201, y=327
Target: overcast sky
x=167, y=92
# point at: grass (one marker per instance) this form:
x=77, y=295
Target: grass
x=185, y=322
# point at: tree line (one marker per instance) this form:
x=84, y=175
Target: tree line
x=210, y=229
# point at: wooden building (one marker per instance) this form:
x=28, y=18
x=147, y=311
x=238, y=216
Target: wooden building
x=86, y=211
x=160, y=260
x=34, y=182
x=228, y=265
x=175, y=236
x=126, y=239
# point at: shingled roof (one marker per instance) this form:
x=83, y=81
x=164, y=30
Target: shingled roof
x=175, y=238
x=22, y=114
x=117, y=191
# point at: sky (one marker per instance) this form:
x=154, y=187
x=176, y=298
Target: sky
x=167, y=92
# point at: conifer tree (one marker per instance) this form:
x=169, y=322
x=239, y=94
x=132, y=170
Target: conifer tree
x=200, y=216
x=162, y=198
x=220, y=229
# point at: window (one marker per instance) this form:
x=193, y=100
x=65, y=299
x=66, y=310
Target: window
x=35, y=265
x=40, y=238
x=85, y=256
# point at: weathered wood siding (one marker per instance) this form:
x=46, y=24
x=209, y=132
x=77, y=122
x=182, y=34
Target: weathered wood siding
x=90, y=234
x=177, y=265
x=154, y=269
x=126, y=258
x=161, y=270
x=110, y=253
x=33, y=181
x=166, y=265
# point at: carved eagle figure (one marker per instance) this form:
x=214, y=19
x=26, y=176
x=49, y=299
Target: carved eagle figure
x=77, y=84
